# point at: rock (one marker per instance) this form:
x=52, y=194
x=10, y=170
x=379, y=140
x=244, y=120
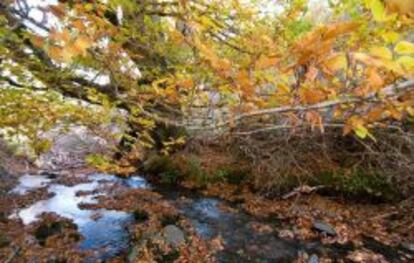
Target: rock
x=133, y=254
x=324, y=228
x=313, y=259
x=286, y=233
x=173, y=235
x=408, y=246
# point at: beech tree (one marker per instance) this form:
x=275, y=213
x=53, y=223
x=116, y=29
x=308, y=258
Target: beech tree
x=271, y=64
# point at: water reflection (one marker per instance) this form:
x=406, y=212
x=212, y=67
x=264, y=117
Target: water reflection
x=104, y=230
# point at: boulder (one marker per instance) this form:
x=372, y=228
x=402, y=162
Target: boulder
x=173, y=235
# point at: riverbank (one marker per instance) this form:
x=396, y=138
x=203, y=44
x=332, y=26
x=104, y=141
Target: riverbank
x=218, y=222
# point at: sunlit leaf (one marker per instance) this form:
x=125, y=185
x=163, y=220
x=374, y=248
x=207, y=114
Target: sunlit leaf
x=405, y=48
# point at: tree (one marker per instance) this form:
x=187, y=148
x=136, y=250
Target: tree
x=275, y=69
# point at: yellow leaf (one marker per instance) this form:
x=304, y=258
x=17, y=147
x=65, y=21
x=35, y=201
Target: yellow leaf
x=79, y=25
x=390, y=37
x=377, y=9
x=396, y=114
x=404, y=48
x=82, y=44
x=55, y=53
x=380, y=63
x=67, y=54
x=65, y=35
x=381, y=52
x=407, y=63
x=361, y=131
x=375, y=79
x=335, y=63
x=402, y=7
x=265, y=62
x=410, y=111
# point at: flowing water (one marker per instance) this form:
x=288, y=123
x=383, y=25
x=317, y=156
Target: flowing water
x=105, y=231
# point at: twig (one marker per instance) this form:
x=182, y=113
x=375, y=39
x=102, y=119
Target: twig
x=306, y=189
x=13, y=255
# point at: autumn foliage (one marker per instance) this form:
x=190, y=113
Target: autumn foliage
x=264, y=66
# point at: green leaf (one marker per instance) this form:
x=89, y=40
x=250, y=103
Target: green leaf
x=404, y=48
x=361, y=131
x=378, y=10
x=407, y=62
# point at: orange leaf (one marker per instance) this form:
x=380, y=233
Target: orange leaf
x=37, y=41
x=312, y=96
x=312, y=74
x=82, y=44
x=315, y=119
x=266, y=62
x=375, y=114
x=55, y=52
x=57, y=10
x=375, y=79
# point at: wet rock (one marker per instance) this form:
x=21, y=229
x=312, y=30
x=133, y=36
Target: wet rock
x=313, y=259
x=173, y=235
x=408, y=246
x=48, y=174
x=324, y=228
x=286, y=233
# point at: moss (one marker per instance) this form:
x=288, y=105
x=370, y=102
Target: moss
x=163, y=167
x=173, y=169
x=140, y=215
x=229, y=175
x=373, y=187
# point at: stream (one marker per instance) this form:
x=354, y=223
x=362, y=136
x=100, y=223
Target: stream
x=241, y=240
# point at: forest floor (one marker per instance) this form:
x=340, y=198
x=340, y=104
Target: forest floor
x=332, y=230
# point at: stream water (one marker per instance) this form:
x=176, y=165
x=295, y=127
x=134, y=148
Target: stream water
x=105, y=231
